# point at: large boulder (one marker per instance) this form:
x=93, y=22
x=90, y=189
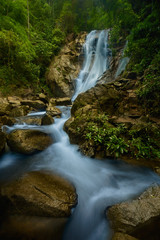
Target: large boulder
x=38, y=194
x=20, y=227
x=65, y=67
x=140, y=217
x=28, y=141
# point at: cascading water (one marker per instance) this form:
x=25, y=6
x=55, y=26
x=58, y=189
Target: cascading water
x=96, y=61
x=99, y=184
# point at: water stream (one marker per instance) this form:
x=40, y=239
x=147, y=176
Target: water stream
x=99, y=184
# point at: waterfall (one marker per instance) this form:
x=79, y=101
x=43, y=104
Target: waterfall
x=99, y=184
x=95, y=61
x=122, y=63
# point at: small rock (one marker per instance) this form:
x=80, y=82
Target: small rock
x=53, y=111
x=47, y=119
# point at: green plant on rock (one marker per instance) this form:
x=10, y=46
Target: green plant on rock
x=117, y=146
x=109, y=137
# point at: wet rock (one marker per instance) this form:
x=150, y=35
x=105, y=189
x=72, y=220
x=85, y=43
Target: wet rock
x=47, y=120
x=53, y=111
x=2, y=142
x=139, y=218
x=20, y=227
x=39, y=194
x=122, y=236
x=28, y=141
x=30, y=120
x=35, y=104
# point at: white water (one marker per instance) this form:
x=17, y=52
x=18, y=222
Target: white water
x=99, y=184
x=96, y=61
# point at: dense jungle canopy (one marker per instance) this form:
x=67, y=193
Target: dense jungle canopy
x=32, y=32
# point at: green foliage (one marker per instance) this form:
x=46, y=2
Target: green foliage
x=144, y=40
x=27, y=41
x=107, y=136
x=145, y=141
x=117, y=141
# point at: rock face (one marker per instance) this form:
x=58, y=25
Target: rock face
x=28, y=141
x=111, y=99
x=39, y=194
x=65, y=67
x=139, y=218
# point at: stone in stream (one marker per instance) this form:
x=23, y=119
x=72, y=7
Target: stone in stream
x=139, y=218
x=38, y=120
x=47, y=119
x=30, y=120
x=27, y=141
x=53, y=111
x=38, y=194
x=36, y=206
